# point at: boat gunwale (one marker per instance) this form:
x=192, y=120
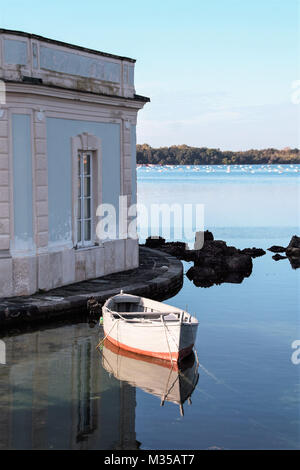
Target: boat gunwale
x=144, y=321
x=140, y=318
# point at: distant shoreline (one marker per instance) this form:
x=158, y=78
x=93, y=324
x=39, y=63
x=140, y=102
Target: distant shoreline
x=151, y=165
x=185, y=155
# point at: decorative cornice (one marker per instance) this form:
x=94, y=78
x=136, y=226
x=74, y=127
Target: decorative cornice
x=52, y=91
x=64, y=44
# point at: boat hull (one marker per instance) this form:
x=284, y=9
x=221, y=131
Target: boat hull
x=162, y=340
x=176, y=355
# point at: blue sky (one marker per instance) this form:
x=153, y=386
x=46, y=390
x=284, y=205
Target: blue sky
x=219, y=72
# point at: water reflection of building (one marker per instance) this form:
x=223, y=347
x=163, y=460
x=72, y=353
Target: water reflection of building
x=55, y=394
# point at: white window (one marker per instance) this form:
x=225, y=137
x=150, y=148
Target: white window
x=86, y=188
x=85, y=199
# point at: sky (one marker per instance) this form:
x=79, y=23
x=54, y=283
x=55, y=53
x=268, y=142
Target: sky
x=220, y=73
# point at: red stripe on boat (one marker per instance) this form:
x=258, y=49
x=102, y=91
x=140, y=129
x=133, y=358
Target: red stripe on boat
x=161, y=355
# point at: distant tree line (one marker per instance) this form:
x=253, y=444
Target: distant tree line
x=185, y=155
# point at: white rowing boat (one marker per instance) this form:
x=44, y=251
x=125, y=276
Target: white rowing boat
x=147, y=327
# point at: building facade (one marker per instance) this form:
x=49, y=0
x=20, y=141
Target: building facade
x=67, y=145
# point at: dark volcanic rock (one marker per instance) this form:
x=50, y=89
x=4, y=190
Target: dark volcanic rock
x=214, y=262
x=293, y=252
x=216, y=266
x=277, y=257
x=293, y=249
x=155, y=242
x=208, y=236
x=294, y=262
x=234, y=278
x=239, y=263
x=204, y=277
x=295, y=242
x=216, y=271
x=253, y=252
x=277, y=249
x=176, y=249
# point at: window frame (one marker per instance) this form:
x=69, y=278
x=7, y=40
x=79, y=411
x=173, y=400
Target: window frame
x=83, y=242
x=90, y=144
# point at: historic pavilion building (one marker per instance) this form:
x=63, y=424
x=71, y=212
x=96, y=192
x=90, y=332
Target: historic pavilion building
x=67, y=144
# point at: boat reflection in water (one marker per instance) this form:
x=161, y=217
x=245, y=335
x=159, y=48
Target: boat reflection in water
x=170, y=382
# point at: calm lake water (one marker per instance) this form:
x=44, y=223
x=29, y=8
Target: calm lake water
x=57, y=391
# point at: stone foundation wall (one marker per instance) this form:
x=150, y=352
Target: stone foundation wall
x=159, y=276
x=46, y=271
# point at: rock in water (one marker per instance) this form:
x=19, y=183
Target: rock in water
x=295, y=242
x=155, y=242
x=293, y=252
x=214, y=261
x=254, y=252
x=240, y=263
x=294, y=262
x=293, y=249
x=277, y=257
x=277, y=249
x=216, y=269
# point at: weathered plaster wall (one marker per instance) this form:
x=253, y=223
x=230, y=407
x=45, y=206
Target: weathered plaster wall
x=133, y=162
x=22, y=184
x=59, y=134
x=70, y=67
x=5, y=208
x=74, y=64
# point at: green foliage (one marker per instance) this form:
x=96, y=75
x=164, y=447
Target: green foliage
x=185, y=155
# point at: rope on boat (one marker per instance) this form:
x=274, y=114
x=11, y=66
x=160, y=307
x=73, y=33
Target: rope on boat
x=102, y=341
x=194, y=347
x=116, y=313
x=163, y=321
x=177, y=345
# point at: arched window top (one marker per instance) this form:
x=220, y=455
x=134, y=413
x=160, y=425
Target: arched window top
x=86, y=141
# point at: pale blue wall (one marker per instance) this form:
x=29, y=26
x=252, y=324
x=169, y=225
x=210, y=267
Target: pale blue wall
x=15, y=52
x=133, y=162
x=59, y=134
x=75, y=64
x=131, y=75
x=22, y=181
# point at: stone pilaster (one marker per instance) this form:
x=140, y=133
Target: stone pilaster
x=4, y=183
x=40, y=201
x=127, y=180
x=41, y=182
x=6, y=277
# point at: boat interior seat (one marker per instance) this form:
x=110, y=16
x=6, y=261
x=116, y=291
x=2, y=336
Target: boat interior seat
x=128, y=307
